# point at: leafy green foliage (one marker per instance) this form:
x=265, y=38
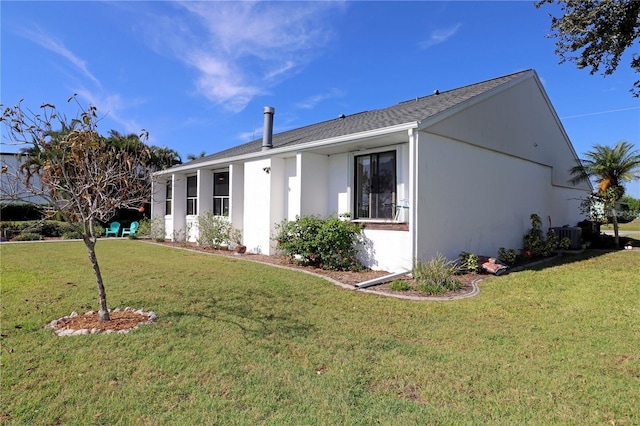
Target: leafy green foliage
x=508, y=256
x=46, y=228
x=436, y=276
x=152, y=228
x=469, y=263
x=29, y=236
x=400, y=285
x=596, y=34
x=329, y=243
x=533, y=240
x=214, y=230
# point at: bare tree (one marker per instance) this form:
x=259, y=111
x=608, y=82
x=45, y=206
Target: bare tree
x=76, y=171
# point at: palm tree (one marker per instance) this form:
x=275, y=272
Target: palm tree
x=192, y=157
x=610, y=168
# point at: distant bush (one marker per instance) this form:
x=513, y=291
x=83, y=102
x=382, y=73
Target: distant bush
x=28, y=236
x=72, y=235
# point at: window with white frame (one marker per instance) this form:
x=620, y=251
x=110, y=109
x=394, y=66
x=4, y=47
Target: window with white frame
x=168, y=197
x=221, y=194
x=375, y=186
x=192, y=195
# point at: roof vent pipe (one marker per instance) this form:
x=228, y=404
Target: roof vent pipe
x=267, y=133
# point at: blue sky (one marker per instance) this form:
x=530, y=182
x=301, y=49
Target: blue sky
x=196, y=75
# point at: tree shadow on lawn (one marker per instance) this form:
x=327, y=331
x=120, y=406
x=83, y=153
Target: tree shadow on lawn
x=257, y=316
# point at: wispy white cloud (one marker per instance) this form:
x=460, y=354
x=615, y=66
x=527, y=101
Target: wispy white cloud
x=440, y=36
x=242, y=49
x=112, y=107
x=48, y=42
x=312, y=101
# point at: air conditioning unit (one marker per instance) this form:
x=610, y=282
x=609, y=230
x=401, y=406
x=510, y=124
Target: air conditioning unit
x=573, y=233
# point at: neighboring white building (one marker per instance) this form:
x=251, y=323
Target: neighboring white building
x=459, y=170
x=12, y=189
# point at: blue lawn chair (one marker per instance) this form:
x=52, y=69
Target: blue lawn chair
x=114, y=229
x=131, y=230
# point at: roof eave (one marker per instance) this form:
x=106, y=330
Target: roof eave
x=335, y=141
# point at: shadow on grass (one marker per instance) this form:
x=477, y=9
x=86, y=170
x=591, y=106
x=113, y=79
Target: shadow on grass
x=257, y=314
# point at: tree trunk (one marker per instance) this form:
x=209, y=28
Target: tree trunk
x=103, y=314
x=614, y=218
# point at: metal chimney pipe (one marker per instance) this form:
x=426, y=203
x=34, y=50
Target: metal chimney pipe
x=267, y=133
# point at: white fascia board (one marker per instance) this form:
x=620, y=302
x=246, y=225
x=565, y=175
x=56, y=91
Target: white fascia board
x=338, y=140
x=476, y=99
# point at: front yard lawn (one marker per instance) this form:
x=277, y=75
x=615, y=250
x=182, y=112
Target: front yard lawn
x=243, y=343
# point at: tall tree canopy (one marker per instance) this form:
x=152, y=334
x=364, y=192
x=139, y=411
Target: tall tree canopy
x=610, y=168
x=83, y=176
x=595, y=33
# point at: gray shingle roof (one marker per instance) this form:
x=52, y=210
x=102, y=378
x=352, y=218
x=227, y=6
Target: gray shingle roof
x=415, y=110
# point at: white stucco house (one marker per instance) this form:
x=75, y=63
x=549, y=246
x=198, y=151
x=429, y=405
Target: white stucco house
x=458, y=170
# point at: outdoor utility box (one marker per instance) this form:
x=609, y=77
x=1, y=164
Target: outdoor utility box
x=574, y=233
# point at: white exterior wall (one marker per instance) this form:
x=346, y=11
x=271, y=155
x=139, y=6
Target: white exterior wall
x=292, y=188
x=387, y=250
x=340, y=169
x=313, y=170
x=205, y=191
x=176, y=224
x=236, y=195
x=476, y=200
x=264, y=193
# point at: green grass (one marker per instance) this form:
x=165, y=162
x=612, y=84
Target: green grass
x=239, y=343
x=629, y=226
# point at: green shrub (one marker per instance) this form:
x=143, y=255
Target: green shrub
x=564, y=243
x=72, y=236
x=329, y=243
x=507, y=256
x=436, y=276
x=468, y=263
x=214, y=230
x=29, y=236
x=152, y=228
x=400, y=285
x=533, y=240
x=46, y=228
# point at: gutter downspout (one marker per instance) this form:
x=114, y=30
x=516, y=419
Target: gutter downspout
x=413, y=194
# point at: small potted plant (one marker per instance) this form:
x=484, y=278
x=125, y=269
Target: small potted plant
x=236, y=239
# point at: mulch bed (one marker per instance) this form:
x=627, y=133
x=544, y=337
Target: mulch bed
x=343, y=277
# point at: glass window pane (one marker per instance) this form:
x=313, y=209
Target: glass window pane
x=192, y=186
x=221, y=184
x=363, y=173
x=375, y=186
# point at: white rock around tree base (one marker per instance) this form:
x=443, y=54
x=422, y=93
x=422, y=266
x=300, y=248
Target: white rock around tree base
x=58, y=326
